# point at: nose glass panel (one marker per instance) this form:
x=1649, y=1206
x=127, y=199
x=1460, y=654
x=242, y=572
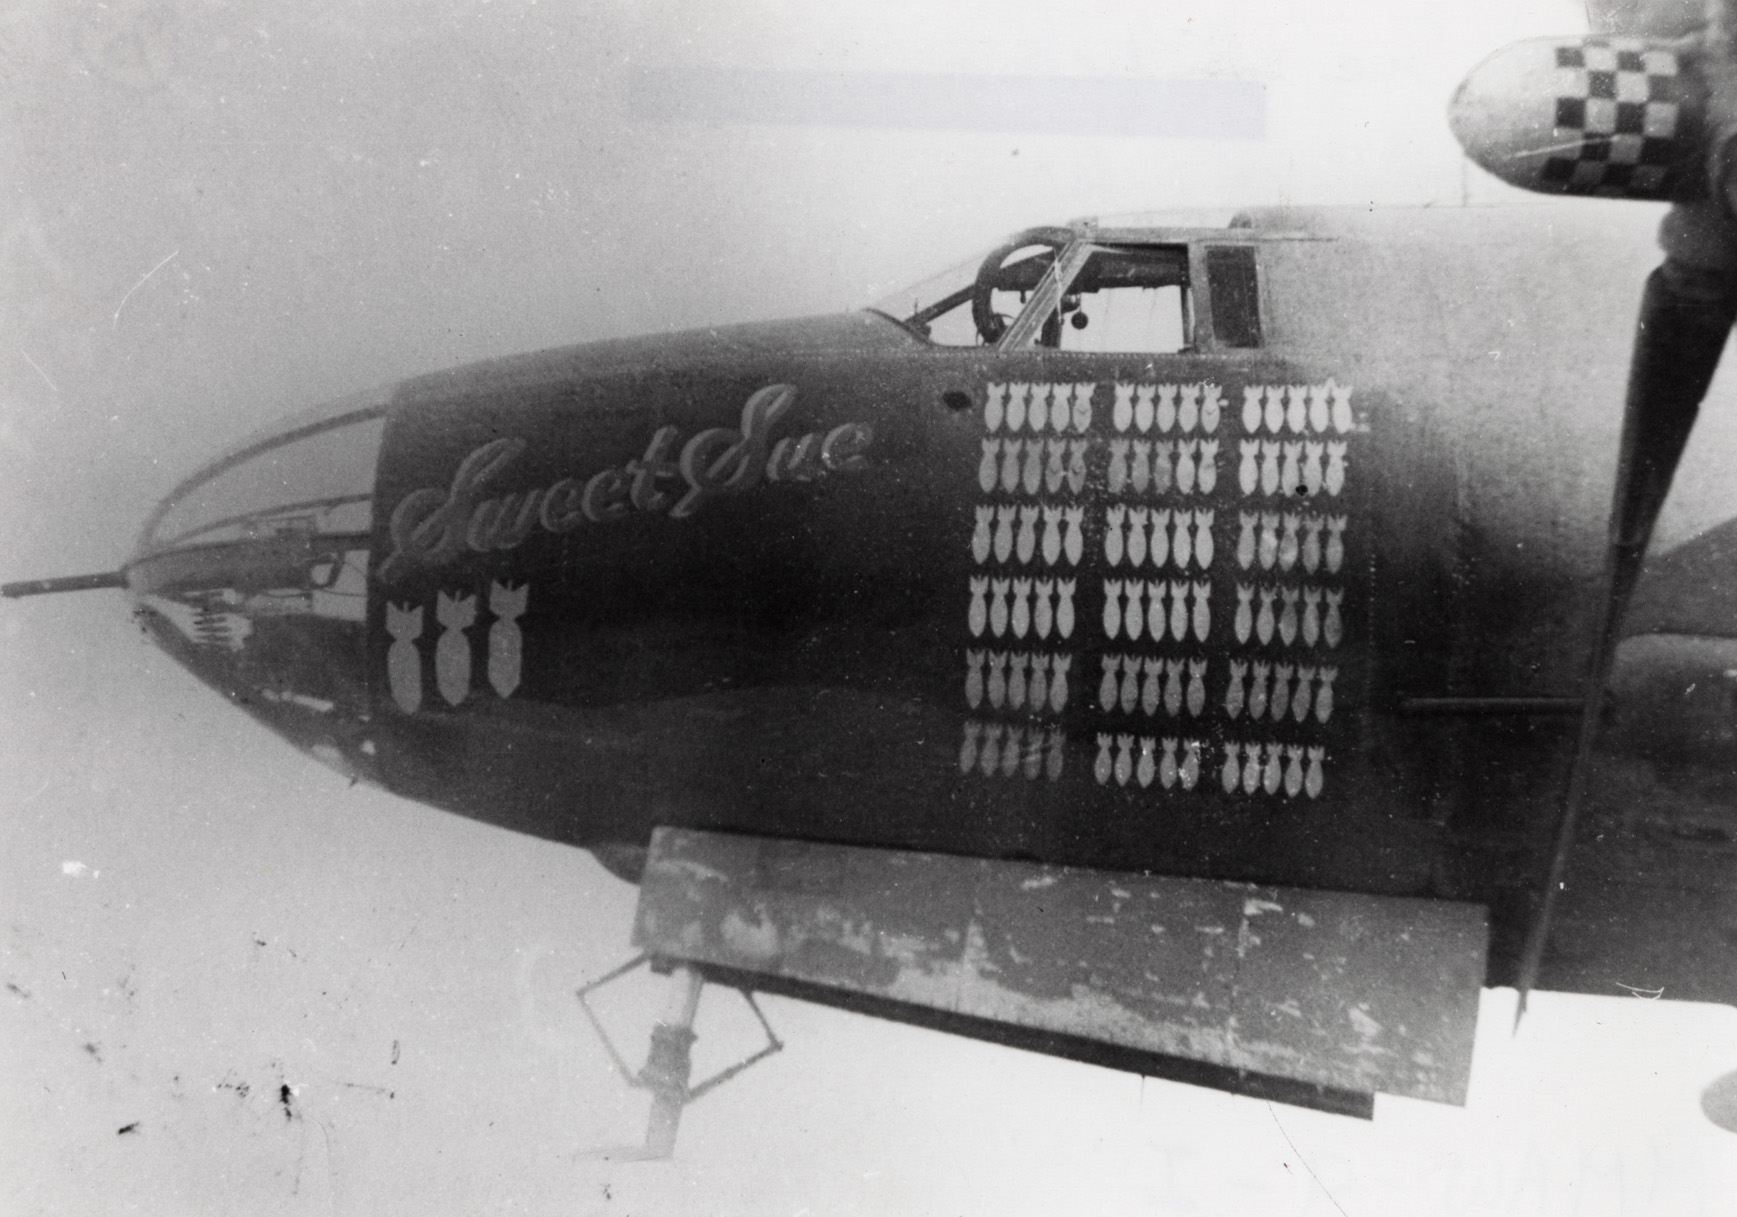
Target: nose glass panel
x=254, y=574
x=317, y=479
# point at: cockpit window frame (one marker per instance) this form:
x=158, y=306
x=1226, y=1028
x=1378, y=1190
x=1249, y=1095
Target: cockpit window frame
x=1026, y=330
x=1194, y=243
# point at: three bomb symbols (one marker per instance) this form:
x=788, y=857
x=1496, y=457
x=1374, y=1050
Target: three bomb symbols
x=456, y=615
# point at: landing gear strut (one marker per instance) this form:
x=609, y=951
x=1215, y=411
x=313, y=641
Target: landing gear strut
x=669, y=1060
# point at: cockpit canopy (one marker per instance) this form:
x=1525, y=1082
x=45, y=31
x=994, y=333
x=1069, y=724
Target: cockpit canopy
x=1083, y=288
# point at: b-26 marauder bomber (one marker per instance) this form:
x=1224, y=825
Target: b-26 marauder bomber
x=1198, y=651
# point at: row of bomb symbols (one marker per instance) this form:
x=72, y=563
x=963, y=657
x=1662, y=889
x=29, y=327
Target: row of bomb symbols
x=1022, y=606
x=1133, y=608
x=1008, y=750
x=1039, y=407
x=1283, y=539
x=1298, y=409
x=1179, y=764
x=1017, y=680
x=1250, y=768
x=1158, y=466
x=1261, y=690
x=1147, y=682
x=1059, y=407
x=1291, y=468
x=1032, y=465
x=1144, y=466
x=452, y=650
x=1008, y=531
x=1182, y=407
x=1272, y=767
x=1272, y=691
x=1136, y=533
x=1314, y=614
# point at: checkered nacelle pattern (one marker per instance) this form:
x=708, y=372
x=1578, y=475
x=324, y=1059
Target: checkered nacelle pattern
x=1606, y=117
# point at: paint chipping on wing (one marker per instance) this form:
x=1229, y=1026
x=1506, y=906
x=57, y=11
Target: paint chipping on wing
x=748, y=938
x=687, y=868
x=961, y=935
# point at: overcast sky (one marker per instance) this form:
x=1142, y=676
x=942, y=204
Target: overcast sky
x=214, y=213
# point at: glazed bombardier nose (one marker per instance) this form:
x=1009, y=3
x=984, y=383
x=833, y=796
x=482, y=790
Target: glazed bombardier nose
x=253, y=574
x=1608, y=117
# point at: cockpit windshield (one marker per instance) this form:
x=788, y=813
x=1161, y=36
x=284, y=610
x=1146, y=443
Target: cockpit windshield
x=1074, y=289
x=939, y=307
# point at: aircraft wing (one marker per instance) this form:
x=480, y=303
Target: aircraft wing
x=1308, y=997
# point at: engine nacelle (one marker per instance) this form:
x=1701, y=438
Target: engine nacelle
x=1606, y=117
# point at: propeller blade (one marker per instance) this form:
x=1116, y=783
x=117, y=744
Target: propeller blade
x=1677, y=346
x=1678, y=340
x=1646, y=18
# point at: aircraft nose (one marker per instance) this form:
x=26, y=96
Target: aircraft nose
x=253, y=574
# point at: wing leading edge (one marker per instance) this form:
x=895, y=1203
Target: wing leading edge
x=1311, y=997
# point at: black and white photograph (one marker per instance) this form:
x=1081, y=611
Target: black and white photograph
x=956, y=609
